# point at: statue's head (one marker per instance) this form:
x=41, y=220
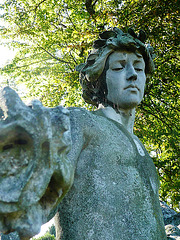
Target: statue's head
x=117, y=56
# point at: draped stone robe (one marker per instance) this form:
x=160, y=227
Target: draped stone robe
x=115, y=191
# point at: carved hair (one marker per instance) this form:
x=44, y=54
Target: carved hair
x=93, y=71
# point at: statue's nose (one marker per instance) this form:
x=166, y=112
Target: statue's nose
x=131, y=74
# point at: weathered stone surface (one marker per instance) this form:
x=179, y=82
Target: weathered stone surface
x=11, y=236
x=170, y=216
x=115, y=190
x=167, y=211
x=172, y=232
x=34, y=171
x=171, y=221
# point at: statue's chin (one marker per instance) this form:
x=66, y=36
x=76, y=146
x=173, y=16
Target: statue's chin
x=127, y=105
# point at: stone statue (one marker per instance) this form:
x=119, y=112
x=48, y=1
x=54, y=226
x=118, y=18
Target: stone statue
x=91, y=162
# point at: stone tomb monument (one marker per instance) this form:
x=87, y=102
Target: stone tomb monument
x=89, y=162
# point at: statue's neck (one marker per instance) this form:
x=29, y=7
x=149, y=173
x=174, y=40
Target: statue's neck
x=125, y=117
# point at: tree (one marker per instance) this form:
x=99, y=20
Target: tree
x=54, y=36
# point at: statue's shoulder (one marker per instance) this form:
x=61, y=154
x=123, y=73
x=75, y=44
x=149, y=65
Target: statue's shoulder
x=78, y=110
x=80, y=114
x=84, y=122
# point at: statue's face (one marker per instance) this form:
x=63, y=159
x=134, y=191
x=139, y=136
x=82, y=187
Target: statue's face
x=125, y=79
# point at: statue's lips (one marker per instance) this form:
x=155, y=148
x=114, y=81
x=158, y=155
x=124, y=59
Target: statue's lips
x=132, y=86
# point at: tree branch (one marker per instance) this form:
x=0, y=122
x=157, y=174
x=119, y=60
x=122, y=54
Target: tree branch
x=35, y=11
x=71, y=20
x=94, y=3
x=60, y=24
x=73, y=58
x=89, y=6
x=157, y=108
x=155, y=115
x=58, y=59
x=26, y=65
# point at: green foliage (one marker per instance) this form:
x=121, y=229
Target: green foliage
x=47, y=236
x=52, y=230
x=53, y=36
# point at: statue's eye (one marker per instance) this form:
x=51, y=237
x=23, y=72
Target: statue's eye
x=139, y=69
x=117, y=69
